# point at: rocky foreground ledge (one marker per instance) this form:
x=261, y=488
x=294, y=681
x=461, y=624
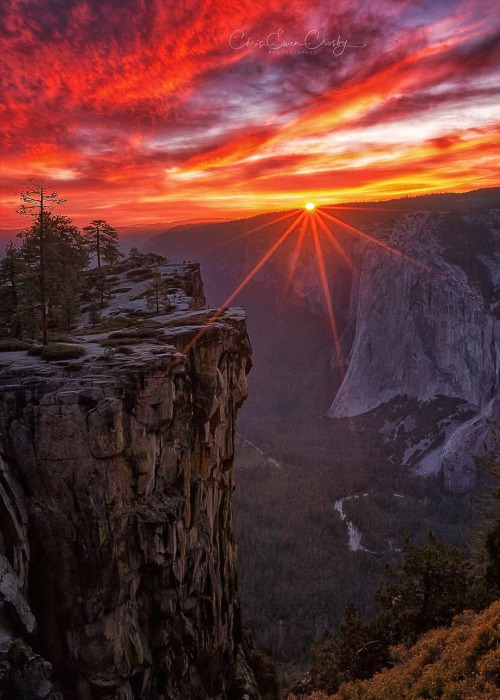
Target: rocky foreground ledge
x=117, y=554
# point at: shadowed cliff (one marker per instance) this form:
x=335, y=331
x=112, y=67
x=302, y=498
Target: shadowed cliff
x=117, y=564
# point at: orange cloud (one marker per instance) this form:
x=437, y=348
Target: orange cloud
x=145, y=111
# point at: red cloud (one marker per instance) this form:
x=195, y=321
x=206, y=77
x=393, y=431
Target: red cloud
x=140, y=107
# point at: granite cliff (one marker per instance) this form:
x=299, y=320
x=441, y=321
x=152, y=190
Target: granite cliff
x=117, y=557
x=441, y=334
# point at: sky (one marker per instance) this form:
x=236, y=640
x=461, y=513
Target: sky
x=141, y=111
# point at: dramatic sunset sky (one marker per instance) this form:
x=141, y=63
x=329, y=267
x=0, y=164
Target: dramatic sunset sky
x=156, y=110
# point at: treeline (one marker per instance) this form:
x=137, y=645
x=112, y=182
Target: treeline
x=46, y=277
x=434, y=584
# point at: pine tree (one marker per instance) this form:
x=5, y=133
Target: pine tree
x=102, y=239
x=12, y=272
x=491, y=525
x=63, y=254
x=157, y=292
x=37, y=202
x=357, y=650
x=100, y=286
x=94, y=313
x=434, y=583
x=428, y=591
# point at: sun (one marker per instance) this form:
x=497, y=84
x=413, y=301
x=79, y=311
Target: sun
x=310, y=206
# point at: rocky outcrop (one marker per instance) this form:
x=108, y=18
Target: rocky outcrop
x=437, y=306
x=118, y=556
x=438, y=338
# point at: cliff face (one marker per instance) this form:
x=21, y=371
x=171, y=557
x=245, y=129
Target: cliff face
x=437, y=338
x=440, y=336
x=117, y=562
x=425, y=324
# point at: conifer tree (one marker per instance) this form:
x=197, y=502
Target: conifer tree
x=434, y=583
x=102, y=239
x=157, y=292
x=37, y=201
x=428, y=591
x=490, y=530
x=12, y=271
x=64, y=259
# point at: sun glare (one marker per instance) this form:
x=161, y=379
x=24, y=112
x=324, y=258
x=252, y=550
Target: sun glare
x=318, y=223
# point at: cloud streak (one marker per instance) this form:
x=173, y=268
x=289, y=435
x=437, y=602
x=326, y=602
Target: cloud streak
x=144, y=108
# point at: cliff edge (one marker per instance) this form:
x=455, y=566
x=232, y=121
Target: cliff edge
x=117, y=555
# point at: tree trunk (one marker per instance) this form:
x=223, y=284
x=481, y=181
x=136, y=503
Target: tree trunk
x=43, y=310
x=98, y=241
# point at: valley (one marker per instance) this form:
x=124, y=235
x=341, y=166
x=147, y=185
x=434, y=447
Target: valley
x=405, y=423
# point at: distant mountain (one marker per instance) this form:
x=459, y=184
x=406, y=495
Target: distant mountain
x=134, y=235
x=130, y=235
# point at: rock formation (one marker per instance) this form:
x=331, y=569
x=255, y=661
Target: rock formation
x=436, y=298
x=117, y=558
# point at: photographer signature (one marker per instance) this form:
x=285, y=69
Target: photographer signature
x=275, y=41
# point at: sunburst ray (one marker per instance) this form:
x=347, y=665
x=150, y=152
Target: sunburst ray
x=328, y=299
x=288, y=215
x=371, y=239
x=334, y=241
x=243, y=284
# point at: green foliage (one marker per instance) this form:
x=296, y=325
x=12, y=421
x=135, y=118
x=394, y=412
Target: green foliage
x=57, y=351
x=434, y=583
x=98, y=288
x=37, y=202
x=293, y=556
x=12, y=271
x=94, y=313
x=157, y=292
x=102, y=240
x=492, y=547
x=357, y=650
x=125, y=350
x=117, y=339
x=63, y=260
x=136, y=333
x=42, y=282
x=491, y=535
x=13, y=345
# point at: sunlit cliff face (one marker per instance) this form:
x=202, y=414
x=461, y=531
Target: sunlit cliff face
x=157, y=111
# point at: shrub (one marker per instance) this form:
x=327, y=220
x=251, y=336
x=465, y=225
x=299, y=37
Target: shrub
x=125, y=350
x=134, y=333
x=11, y=345
x=56, y=351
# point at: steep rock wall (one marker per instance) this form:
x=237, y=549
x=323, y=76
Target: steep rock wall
x=117, y=523
x=424, y=324
x=419, y=333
